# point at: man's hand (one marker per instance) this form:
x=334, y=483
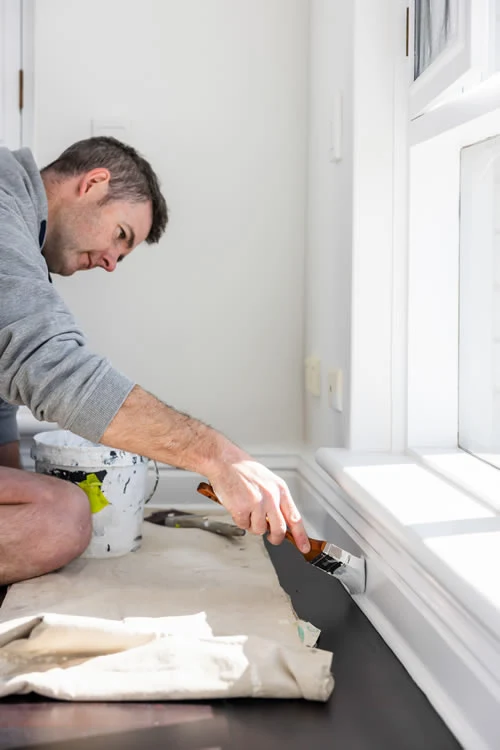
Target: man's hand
x=249, y=491
x=254, y=496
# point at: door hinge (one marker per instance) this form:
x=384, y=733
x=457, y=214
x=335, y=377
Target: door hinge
x=21, y=89
x=407, y=32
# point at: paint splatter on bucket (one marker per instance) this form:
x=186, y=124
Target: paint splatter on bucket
x=114, y=481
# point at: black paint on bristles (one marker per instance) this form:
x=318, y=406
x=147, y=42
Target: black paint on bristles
x=326, y=563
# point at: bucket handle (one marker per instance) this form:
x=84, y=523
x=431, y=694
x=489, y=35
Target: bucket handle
x=157, y=479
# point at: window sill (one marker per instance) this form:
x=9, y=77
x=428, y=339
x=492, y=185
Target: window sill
x=465, y=471
x=439, y=547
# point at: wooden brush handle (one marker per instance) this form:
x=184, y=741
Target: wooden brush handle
x=317, y=546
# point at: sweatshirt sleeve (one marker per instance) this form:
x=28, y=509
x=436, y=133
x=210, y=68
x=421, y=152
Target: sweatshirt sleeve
x=44, y=361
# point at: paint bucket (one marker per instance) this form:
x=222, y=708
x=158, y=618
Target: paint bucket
x=114, y=481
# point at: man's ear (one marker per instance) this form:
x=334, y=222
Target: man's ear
x=97, y=178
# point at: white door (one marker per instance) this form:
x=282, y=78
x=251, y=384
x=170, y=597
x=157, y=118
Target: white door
x=10, y=75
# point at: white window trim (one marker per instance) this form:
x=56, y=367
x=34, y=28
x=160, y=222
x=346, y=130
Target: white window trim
x=450, y=66
x=387, y=311
x=480, y=101
x=383, y=301
x=396, y=402
x=433, y=298
x=463, y=64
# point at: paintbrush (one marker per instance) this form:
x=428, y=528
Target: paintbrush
x=177, y=519
x=348, y=568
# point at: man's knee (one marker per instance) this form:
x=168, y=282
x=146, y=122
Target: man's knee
x=80, y=520
x=71, y=524
x=45, y=523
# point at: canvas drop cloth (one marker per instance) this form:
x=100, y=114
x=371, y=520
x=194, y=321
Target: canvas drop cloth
x=190, y=615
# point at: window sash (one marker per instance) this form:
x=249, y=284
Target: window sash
x=460, y=63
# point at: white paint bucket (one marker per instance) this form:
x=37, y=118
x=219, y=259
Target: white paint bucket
x=114, y=481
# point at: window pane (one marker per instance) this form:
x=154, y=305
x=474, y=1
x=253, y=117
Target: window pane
x=479, y=374
x=436, y=23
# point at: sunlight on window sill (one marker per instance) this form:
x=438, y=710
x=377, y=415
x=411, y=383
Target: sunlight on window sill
x=474, y=557
x=471, y=474
x=414, y=496
x=428, y=518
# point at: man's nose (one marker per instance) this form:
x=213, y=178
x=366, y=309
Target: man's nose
x=108, y=261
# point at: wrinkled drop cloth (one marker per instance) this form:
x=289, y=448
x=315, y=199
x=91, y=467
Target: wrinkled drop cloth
x=190, y=615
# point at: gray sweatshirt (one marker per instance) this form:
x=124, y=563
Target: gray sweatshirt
x=44, y=360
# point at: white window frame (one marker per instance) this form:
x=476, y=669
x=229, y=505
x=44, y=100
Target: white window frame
x=479, y=367
x=401, y=448
x=462, y=65
x=434, y=302
x=394, y=393
x=397, y=403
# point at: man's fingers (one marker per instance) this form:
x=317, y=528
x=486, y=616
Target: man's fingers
x=294, y=521
x=277, y=524
x=242, y=519
x=258, y=522
x=258, y=504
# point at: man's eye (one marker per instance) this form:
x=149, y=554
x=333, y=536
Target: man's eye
x=122, y=234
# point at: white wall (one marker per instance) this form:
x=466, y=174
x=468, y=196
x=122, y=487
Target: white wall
x=330, y=209
x=215, y=95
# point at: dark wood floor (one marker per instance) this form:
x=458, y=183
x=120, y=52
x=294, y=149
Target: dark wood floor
x=375, y=704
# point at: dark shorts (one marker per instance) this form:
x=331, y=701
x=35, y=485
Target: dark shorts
x=9, y=431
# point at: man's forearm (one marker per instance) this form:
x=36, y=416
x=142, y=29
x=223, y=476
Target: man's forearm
x=146, y=426
x=256, y=498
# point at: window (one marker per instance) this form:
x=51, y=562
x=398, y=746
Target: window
x=404, y=472
x=436, y=28
x=479, y=342
x=454, y=266
x=454, y=46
